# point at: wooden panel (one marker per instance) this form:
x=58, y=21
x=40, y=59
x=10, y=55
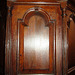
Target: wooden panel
x=25, y=32
x=36, y=42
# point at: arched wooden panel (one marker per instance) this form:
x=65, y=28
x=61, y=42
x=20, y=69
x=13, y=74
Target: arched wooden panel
x=36, y=43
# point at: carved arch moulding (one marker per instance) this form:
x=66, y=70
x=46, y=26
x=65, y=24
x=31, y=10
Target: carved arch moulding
x=36, y=11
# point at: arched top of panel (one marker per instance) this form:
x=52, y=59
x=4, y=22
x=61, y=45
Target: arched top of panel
x=37, y=11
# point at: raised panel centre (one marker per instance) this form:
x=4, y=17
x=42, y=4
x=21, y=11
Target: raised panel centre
x=36, y=44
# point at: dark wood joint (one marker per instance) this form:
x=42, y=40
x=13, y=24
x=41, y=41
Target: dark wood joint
x=10, y=11
x=50, y=23
x=22, y=22
x=71, y=70
x=10, y=7
x=71, y=17
x=64, y=12
x=36, y=9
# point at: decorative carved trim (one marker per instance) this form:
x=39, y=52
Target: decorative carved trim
x=35, y=10
x=51, y=23
x=64, y=12
x=36, y=3
x=10, y=3
x=9, y=11
x=71, y=69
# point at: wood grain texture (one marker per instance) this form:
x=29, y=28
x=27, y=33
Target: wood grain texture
x=36, y=44
x=58, y=43
x=36, y=40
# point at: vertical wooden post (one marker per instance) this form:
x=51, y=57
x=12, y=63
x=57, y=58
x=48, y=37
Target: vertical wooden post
x=8, y=44
x=65, y=45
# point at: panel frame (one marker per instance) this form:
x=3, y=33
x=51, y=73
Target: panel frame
x=51, y=23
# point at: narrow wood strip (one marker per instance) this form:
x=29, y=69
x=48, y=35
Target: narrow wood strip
x=71, y=69
x=36, y=3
